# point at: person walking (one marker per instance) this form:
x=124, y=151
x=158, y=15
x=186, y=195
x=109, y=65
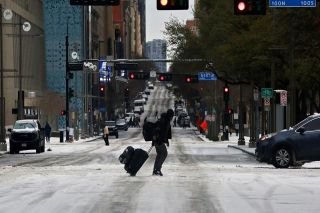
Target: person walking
x=162, y=136
x=106, y=135
x=175, y=122
x=47, y=132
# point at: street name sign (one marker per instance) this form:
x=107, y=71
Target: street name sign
x=266, y=92
x=292, y=3
x=206, y=76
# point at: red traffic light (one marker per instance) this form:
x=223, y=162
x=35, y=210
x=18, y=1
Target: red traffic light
x=139, y=75
x=63, y=112
x=165, y=77
x=131, y=75
x=250, y=7
x=191, y=79
x=241, y=6
x=226, y=89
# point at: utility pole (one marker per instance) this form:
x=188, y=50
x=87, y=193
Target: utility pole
x=67, y=82
x=2, y=103
x=241, y=140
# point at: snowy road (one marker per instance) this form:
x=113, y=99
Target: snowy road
x=198, y=177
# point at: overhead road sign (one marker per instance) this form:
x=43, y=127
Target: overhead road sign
x=206, y=76
x=292, y=3
x=95, y=2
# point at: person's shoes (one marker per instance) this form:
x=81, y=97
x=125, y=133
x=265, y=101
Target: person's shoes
x=157, y=173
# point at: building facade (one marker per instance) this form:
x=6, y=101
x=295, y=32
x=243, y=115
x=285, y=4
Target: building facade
x=22, y=57
x=157, y=49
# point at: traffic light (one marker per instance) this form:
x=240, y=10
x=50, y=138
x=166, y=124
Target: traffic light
x=71, y=93
x=102, y=90
x=250, y=7
x=229, y=110
x=165, y=77
x=172, y=4
x=139, y=75
x=94, y=2
x=226, y=92
x=191, y=79
x=63, y=112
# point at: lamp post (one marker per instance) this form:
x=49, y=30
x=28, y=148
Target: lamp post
x=2, y=104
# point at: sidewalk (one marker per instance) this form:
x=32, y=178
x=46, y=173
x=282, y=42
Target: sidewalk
x=233, y=143
x=56, y=140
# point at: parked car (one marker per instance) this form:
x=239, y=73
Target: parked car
x=291, y=147
x=121, y=124
x=151, y=86
x=147, y=91
x=26, y=134
x=113, y=129
x=183, y=119
x=129, y=115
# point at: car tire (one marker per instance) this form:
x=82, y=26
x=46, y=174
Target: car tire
x=12, y=151
x=282, y=157
x=38, y=149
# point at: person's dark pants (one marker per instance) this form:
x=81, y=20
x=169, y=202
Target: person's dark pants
x=106, y=139
x=161, y=156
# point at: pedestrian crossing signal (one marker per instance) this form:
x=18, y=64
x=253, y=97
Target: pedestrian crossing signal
x=172, y=4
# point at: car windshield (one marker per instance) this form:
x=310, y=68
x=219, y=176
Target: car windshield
x=301, y=123
x=24, y=126
x=110, y=123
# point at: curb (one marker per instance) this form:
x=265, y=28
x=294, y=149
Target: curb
x=241, y=149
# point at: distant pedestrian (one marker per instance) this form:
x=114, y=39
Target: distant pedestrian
x=175, y=122
x=47, y=132
x=106, y=135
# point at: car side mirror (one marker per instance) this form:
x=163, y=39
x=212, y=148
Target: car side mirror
x=301, y=130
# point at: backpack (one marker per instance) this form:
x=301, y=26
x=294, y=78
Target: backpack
x=150, y=129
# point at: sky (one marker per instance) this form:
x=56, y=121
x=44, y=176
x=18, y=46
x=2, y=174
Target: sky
x=155, y=19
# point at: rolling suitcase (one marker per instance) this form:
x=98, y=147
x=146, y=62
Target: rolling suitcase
x=126, y=156
x=137, y=160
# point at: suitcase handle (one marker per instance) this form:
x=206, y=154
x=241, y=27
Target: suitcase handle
x=149, y=150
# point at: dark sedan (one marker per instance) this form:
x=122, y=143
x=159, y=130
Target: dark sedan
x=122, y=124
x=292, y=147
x=113, y=130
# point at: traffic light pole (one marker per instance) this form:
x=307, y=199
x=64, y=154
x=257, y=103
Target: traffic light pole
x=67, y=84
x=241, y=140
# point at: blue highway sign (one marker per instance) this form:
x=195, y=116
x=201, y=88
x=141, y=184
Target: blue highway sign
x=207, y=76
x=292, y=3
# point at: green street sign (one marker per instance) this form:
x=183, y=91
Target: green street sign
x=266, y=92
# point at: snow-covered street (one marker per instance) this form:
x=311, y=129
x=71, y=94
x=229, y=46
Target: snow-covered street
x=199, y=176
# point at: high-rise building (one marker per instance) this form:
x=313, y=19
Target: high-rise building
x=23, y=62
x=157, y=49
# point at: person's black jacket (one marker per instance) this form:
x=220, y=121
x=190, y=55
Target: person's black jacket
x=164, y=131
